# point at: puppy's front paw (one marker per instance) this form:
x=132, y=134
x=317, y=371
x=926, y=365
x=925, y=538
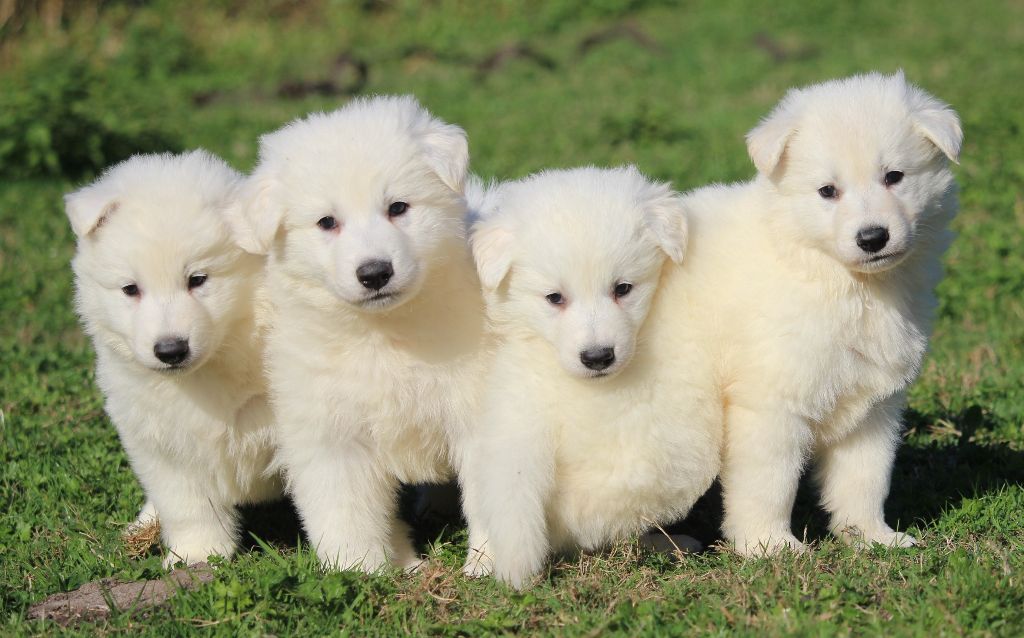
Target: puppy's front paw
x=478, y=564
x=518, y=578
x=876, y=535
x=769, y=544
x=147, y=518
x=414, y=564
x=369, y=562
x=189, y=556
x=897, y=539
x=403, y=554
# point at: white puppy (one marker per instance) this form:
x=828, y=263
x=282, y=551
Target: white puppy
x=379, y=337
x=169, y=301
x=816, y=281
x=601, y=417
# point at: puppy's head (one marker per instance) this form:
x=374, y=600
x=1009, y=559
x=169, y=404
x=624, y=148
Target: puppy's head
x=158, y=277
x=359, y=201
x=575, y=257
x=862, y=164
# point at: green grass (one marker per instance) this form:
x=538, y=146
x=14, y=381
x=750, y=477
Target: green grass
x=675, y=97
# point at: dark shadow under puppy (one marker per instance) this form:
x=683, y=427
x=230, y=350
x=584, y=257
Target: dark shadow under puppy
x=948, y=458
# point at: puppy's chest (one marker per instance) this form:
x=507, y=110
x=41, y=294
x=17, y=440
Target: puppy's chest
x=398, y=387
x=180, y=412
x=630, y=451
x=872, y=352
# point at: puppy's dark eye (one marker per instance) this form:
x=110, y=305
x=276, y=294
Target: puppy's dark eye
x=555, y=298
x=131, y=290
x=622, y=289
x=828, y=191
x=893, y=177
x=327, y=223
x=196, y=280
x=397, y=208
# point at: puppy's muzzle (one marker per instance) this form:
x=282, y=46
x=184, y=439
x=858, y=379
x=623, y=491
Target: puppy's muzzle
x=374, y=275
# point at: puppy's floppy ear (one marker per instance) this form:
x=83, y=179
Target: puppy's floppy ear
x=935, y=120
x=88, y=207
x=491, y=240
x=446, y=150
x=253, y=214
x=942, y=128
x=665, y=220
x=767, y=141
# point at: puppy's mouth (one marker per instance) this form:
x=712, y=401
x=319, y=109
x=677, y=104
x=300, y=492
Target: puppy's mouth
x=380, y=299
x=887, y=257
x=593, y=375
x=175, y=368
x=879, y=263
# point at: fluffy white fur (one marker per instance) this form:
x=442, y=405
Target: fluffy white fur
x=565, y=455
x=817, y=338
x=371, y=387
x=197, y=432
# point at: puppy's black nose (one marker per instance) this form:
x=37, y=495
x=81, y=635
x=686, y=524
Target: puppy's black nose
x=598, y=358
x=872, y=239
x=171, y=351
x=375, y=274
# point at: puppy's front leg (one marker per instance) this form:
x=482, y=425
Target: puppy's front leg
x=194, y=523
x=507, y=479
x=763, y=459
x=854, y=474
x=346, y=502
x=472, y=479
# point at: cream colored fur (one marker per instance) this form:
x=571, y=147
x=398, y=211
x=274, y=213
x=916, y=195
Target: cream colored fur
x=198, y=434
x=371, y=388
x=566, y=456
x=816, y=340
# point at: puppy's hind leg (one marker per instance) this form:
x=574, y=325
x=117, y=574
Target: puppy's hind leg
x=403, y=553
x=854, y=475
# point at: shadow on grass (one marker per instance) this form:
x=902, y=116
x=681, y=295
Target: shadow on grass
x=432, y=511
x=275, y=523
x=934, y=473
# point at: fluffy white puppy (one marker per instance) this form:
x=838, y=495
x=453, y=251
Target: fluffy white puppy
x=600, y=417
x=170, y=303
x=816, y=280
x=379, y=337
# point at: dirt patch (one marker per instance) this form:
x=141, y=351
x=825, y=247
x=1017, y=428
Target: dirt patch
x=99, y=599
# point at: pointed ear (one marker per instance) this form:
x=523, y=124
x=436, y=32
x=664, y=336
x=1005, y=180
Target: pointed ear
x=491, y=241
x=253, y=214
x=88, y=207
x=665, y=220
x=941, y=126
x=767, y=141
x=447, y=152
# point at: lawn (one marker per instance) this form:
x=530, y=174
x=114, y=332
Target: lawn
x=541, y=84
